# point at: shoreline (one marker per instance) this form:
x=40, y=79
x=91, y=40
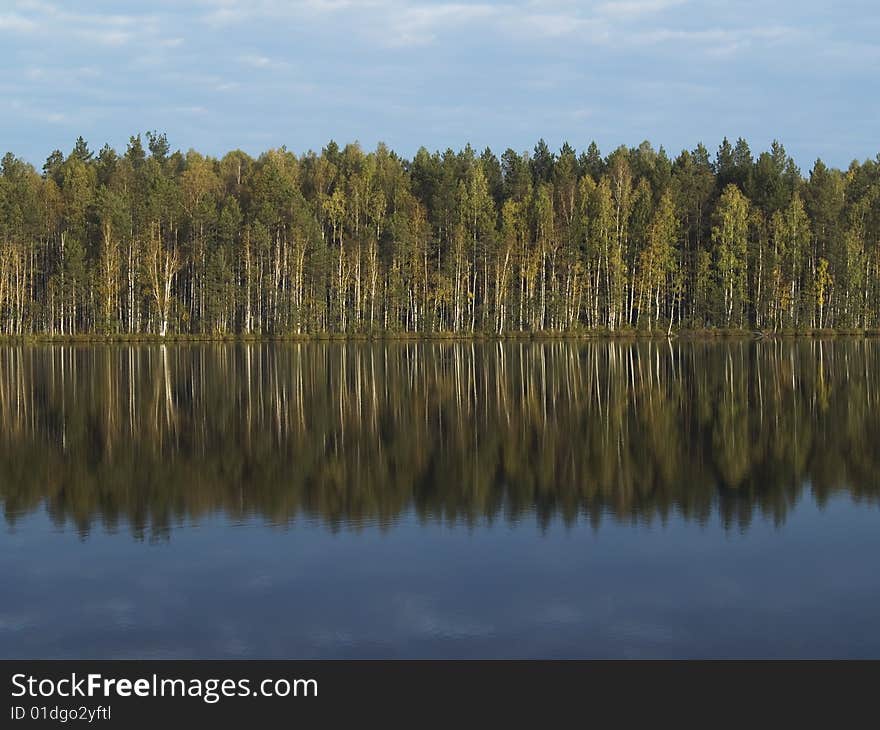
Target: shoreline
x=594, y=335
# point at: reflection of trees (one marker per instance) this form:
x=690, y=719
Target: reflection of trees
x=151, y=435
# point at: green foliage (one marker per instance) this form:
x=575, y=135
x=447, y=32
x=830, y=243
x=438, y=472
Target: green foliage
x=154, y=241
x=729, y=240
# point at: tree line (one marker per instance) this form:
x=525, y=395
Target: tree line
x=152, y=241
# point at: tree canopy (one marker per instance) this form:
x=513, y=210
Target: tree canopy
x=150, y=240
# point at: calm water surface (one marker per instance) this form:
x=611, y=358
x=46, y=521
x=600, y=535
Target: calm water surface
x=441, y=500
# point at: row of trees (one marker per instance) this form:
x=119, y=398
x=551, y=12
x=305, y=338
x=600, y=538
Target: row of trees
x=152, y=241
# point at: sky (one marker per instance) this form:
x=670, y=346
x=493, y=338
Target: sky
x=217, y=75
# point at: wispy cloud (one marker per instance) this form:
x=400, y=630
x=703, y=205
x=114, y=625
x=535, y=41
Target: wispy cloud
x=636, y=8
x=718, y=41
x=259, y=61
x=412, y=24
x=225, y=12
x=255, y=61
x=107, y=36
x=429, y=71
x=420, y=25
x=197, y=110
x=16, y=23
x=35, y=113
x=549, y=26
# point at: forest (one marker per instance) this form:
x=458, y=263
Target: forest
x=161, y=243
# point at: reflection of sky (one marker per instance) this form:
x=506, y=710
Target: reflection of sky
x=221, y=74
x=808, y=588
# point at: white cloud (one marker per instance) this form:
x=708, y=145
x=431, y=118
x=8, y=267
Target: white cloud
x=555, y=25
x=421, y=24
x=637, y=8
x=257, y=60
x=194, y=109
x=359, y=68
x=16, y=23
x=582, y=113
x=226, y=12
x=68, y=76
x=36, y=113
x=107, y=36
x=406, y=23
x=225, y=16
x=718, y=40
x=387, y=22
x=50, y=19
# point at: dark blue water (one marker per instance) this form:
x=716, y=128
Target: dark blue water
x=221, y=589
x=163, y=548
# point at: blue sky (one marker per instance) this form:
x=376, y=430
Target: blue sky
x=223, y=74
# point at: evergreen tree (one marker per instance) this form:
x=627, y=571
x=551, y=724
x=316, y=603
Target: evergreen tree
x=163, y=242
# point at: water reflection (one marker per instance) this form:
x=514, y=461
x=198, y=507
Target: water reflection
x=145, y=437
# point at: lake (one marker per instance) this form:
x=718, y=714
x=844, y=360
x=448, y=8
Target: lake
x=441, y=499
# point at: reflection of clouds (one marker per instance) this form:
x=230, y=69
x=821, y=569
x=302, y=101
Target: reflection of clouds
x=560, y=613
x=117, y=611
x=233, y=646
x=421, y=616
x=334, y=639
x=650, y=633
x=722, y=590
x=153, y=652
x=260, y=582
x=12, y=622
x=428, y=591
